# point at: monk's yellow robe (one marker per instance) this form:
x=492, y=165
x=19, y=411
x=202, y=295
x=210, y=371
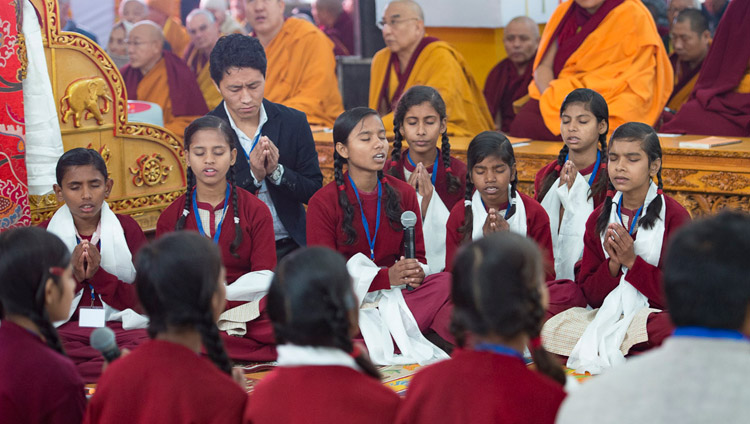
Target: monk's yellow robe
x=176, y=35
x=623, y=59
x=301, y=72
x=684, y=82
x=198, y=63
x=443, y=68
x=154, y=87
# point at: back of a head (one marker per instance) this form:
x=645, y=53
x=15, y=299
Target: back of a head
x=310, y=298
x=496, y=288
x=28, y=257
x=236, y=51
x=706, y=272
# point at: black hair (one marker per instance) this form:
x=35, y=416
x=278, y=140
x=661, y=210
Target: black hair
x=594, y=103
x=210, y=122
x=415, y=96
x=236, y=51
x=635, y=131
x=701, y=255
x=484, y=145
x=497, y=283
x=78, y=157
x=310, y=300
x=29, y=257
x=698, y=21
x=342, y=128
x=176, y=278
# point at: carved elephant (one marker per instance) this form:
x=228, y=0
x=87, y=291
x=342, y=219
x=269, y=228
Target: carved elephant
x=82, y=97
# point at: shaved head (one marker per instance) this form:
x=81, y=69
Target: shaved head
x=403, y=27
x=149, y=30
x=532, y=26
x=521, y=39
x=412, y=5
x=145, y=45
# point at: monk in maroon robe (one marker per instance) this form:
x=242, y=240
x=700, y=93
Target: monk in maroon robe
x=336, y=23
x=509, y=80
x=720, y=103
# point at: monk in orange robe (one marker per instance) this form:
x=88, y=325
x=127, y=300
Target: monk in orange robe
x=691, y=38
x=160, y=77
x=163, y=13
x=204, y=33
x=301, y=66
x=720, y=102
x=410, y=58
x=508, y=81
x=610, y=46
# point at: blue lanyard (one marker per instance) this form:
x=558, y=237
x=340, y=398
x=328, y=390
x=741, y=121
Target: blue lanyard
x=370, y=241
x=635, y=218
x=434, y=165
x=498, y=349
x=507, y=210
x=252, y=147
x=91, y=287
x=592, y=178
x=709, y=333
x=198, y=216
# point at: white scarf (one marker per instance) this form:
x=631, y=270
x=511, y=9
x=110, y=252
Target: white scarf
x=567, y=236
x=599, y=346
x=433, y=228
x=517, y=222
x=115, y=259
x=298, y=356
x=251, y=288
x=385, y=317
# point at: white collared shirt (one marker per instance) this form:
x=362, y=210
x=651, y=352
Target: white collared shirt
x=246, y=142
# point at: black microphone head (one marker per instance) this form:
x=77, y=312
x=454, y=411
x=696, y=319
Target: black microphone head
x=408, y=219
x=102, y=339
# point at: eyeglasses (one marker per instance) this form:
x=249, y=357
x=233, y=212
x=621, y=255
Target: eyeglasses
x=136, y=43
x=393, y=22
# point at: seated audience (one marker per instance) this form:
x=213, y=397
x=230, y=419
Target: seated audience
x=336, y=23
x=691, y=40
x=204, y=33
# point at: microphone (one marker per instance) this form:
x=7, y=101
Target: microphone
x=103, y=340
x=409, y=220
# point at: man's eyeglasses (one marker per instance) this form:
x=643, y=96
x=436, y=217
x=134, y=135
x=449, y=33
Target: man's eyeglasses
x=136, y=43
x=393, y=22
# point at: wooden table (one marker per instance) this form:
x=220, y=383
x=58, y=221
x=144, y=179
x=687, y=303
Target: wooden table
x=704, y=181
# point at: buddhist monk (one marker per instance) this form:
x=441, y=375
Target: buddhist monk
x=164, y=13
x=690, y=39
x=160, y=77
x=410, y=58
x=509, y=80
x=131, y=12
x=609, y=46
x=301, y=66
x=336, y=23
x=204, y=33
x=720, y=101
x=220, y=9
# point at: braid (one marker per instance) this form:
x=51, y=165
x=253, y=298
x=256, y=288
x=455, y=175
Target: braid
x=550, y=178
x=445, y=149
x=393, y=208
x=395, y=170
x=513, y=192
x=603, y=220
x=338, y=322
x=654, y=208
x=346, y=206
x=468, y=226
x=545, y=363
x=188, y=199
x=212, y=342
x=237, y=229
x=48, y=331
x=600, y=184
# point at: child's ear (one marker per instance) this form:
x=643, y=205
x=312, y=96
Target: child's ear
x=51, y=293
x=108, y=187
x=58, y=193
x=443, y=126
x=342, y=150
x=603, y=127
x=233, y=156
x=655, y=167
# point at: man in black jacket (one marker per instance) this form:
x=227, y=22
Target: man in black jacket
x=277, y=159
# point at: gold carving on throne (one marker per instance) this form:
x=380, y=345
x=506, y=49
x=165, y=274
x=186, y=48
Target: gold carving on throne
x=149, y=170
x=82, y=100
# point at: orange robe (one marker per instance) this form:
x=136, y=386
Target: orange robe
x=198, y=63
x=176, y=35
x=154, y=88
x=684, y=82
x=301, y=72
x=623, y=59
x=443, y=68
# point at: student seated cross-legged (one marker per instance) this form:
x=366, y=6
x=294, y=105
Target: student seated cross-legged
x=102, y=245
x=314, y=313
x=38, y=384
x=499, y=298
x=166, y=380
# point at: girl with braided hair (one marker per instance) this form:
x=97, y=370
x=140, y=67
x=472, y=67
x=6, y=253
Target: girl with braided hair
x=238, y=222
x=180, y=282
x=492, y=202
x=36, y=288
x=359, y=215
x=499, y=298
x=620, y=272
x=420, y=119
x=570, y=187
x=314, y=313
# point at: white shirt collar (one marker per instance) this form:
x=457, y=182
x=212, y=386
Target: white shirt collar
x=246, y=141
x=293, y=356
